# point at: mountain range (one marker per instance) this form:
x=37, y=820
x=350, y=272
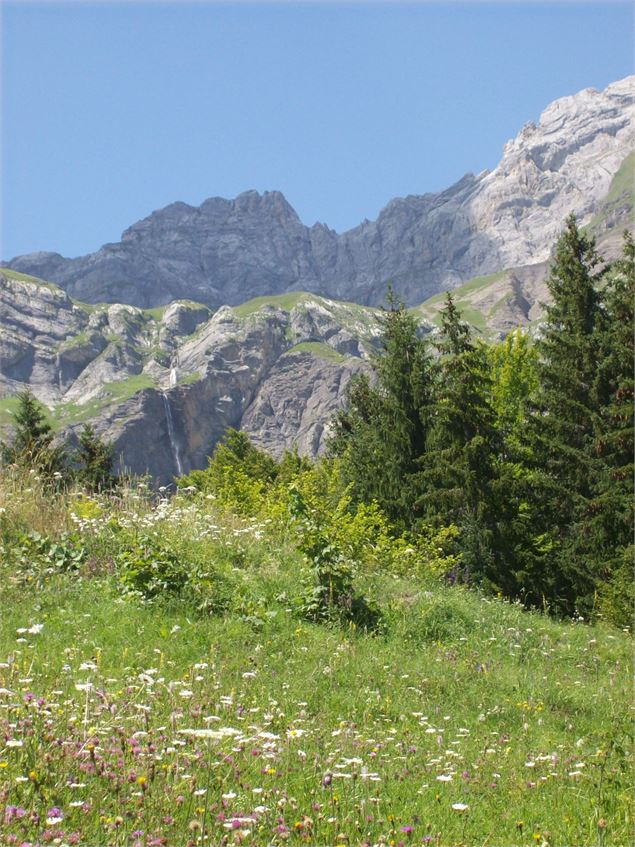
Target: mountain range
x=152, y=337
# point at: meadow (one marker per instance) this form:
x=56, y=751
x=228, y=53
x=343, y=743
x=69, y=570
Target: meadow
x=161, y=685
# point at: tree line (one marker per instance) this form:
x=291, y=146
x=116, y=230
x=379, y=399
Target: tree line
x=519, y=453
x=33, y=447
x=525, y=446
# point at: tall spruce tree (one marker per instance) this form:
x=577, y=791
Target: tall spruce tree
x=32, y=443
x=96, y=460
x=382, y=431
x=514, y=384
x=460, y=461
x=562, y=424
x=602, y=537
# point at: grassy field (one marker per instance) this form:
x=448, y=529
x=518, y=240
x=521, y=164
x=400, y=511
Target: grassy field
x=286, y=302
x=20, y=277
x=221, y=716
x=320, y=350
x=117, y=391
x=463, y=297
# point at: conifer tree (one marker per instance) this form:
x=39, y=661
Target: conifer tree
x=602, y=537
x=32, y=443
x=459, y=465
x=567, y=351
x=96, y=460
x=563, y=420
x=382, y=432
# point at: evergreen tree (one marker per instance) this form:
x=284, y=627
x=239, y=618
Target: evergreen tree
x=95, y=459
x=356, y=440
x=567, y=351
x=32, y=443
x=602, y=538
x=381, y=433
x=562, y=423
x=460, y=461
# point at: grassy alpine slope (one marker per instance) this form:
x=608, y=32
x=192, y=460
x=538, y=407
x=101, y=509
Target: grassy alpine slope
x=159, y=685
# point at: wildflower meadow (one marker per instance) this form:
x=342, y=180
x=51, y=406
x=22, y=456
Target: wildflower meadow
x=160, y=684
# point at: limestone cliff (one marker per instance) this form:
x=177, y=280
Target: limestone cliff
x=163, y=385
x=150, y=352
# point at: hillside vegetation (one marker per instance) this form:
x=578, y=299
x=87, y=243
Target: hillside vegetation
x=172, y=674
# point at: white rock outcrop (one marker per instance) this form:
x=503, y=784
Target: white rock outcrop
x=562, y=164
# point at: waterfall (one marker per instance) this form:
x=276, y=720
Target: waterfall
x=172, y=377
x=173, y=442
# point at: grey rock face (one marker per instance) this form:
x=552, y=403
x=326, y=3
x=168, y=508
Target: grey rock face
x=227, y=251
x=164, y=397
x=296, y=403
x=163, y=385
x=35, y=320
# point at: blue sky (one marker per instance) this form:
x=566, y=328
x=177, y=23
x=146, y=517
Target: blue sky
x=112, y=110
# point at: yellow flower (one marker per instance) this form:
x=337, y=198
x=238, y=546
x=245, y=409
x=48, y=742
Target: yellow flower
x=4, y=764
x=141, y=780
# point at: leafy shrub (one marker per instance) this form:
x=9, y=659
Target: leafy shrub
x=616, y=597
x=28, y=550
x=330, y=595
x=156, y=567
x=149, y=569
x=247, y=482
x=237, y=474
x=86, y=509
x=444, y=621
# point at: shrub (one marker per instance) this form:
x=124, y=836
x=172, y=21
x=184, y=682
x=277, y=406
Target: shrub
x=616, y=597
x=34, y=556
x=148, y=569
x=329, y=595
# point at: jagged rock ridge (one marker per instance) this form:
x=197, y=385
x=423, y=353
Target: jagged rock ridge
x=163, y=386
x=227, y=251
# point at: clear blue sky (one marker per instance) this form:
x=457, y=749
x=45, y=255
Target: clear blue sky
x=111, y=111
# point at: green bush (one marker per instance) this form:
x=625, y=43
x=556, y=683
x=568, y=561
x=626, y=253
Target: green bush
x=148, y=569
x=34, y=553
x=441, y=616
x=245, y=481
x=616, y=597
x=329, y=594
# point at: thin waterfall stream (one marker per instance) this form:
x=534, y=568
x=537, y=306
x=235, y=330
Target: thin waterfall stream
x=173, y=442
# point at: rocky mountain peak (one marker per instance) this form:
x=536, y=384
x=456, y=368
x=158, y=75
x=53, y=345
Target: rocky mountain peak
x=562, y=164
x=226, y=251
x=163, y=384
